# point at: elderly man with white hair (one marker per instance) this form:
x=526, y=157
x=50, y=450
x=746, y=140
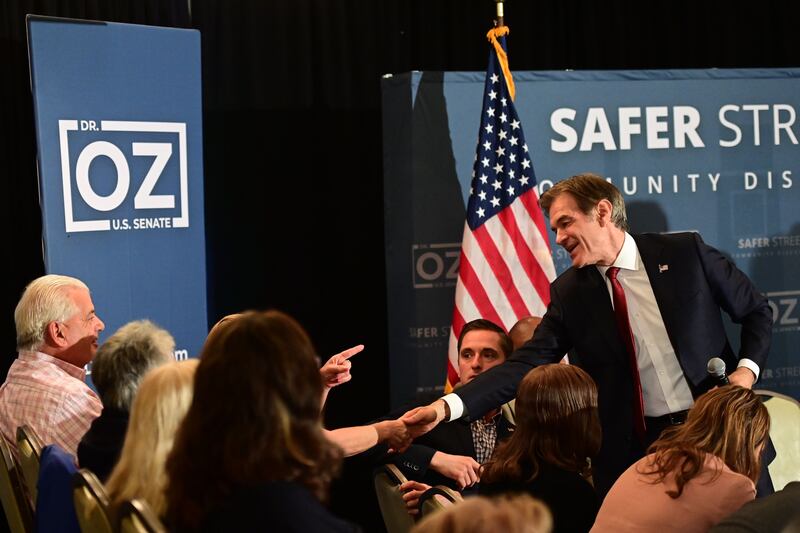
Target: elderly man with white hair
x=57, y=331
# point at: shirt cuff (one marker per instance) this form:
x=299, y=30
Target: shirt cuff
x=456, y=406
x=747, y=363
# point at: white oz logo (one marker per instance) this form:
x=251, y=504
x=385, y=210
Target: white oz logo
x=144, y=197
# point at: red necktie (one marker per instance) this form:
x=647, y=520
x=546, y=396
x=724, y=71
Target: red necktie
x=624, y=328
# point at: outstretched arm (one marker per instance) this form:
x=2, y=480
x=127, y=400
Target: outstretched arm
x=357, y=439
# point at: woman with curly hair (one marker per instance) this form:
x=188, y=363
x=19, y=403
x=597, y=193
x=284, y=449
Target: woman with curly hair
x=251, y=454
x=547, y=456
x=696, y=473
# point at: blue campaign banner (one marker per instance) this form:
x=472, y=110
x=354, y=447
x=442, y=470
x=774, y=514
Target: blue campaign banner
x=713, y=151
x=119, y=129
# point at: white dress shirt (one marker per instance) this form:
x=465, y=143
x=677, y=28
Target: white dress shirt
x=664, y=387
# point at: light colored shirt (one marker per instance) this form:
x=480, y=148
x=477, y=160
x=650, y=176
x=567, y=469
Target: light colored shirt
x=664, y=387
x=50, y=396
x=635, y=503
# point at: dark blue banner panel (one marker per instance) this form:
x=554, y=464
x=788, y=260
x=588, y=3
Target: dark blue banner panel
x=714, y=151
x=119, y=130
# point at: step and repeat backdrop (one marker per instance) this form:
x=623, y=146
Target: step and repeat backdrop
x=713, y=151
x=120, y=157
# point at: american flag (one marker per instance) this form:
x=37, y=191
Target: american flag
x=506, y=266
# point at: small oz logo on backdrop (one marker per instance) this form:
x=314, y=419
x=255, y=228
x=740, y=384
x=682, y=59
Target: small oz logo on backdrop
x=785, y=311
x=123, y=175
x=435, y=265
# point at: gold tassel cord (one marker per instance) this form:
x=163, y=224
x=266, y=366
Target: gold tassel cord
x=493, y=34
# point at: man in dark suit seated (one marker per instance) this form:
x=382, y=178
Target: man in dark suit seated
x=640, y=313
x=452, y=454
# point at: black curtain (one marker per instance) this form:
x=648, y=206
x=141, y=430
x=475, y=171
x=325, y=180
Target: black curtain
x=305, y=233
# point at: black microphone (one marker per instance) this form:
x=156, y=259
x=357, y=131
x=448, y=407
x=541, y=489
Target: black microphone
x=716, y=367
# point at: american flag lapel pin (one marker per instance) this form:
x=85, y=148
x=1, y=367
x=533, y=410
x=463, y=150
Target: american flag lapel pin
x=662, y=268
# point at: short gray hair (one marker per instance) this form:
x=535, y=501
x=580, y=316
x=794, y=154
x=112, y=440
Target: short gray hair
x=125, y=357
x=45, y=300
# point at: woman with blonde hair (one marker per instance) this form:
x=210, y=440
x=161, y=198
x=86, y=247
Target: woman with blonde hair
x=520, y=513
x=159, y=407
x=547, y=456
x=696, y=473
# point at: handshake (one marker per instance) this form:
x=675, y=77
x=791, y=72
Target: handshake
x=399, y=433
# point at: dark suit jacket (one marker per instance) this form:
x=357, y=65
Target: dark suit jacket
x=454, y=438
x=698, y=282
x=99, y=449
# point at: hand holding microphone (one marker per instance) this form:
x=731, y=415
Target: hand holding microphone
x=716, y=368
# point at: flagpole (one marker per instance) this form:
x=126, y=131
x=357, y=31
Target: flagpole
x=499, y=6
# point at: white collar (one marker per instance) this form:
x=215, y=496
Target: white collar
x=628, y=257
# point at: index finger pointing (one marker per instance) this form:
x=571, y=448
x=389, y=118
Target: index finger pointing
x=350, y=352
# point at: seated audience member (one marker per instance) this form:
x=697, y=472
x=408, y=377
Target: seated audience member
x=355, y=439
x=160, y=404
x=478, y=514
x=250, y=454
x=452, y=454
x=697, y=473
x=121, y=362
x=547, y=456
x=522, y=331
x=57, y=331
x=777, y=513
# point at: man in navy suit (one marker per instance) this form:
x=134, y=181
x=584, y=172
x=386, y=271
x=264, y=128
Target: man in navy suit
x=640, y=313
x=452, y=454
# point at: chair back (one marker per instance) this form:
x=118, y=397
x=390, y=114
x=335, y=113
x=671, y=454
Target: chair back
x=91, y=503
x=784, y=414
x=388, y=479
x=55, y=510
x=509, y=411
x=437, y=498
x=29, y=451
x=15, y=501
x=135, y=516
